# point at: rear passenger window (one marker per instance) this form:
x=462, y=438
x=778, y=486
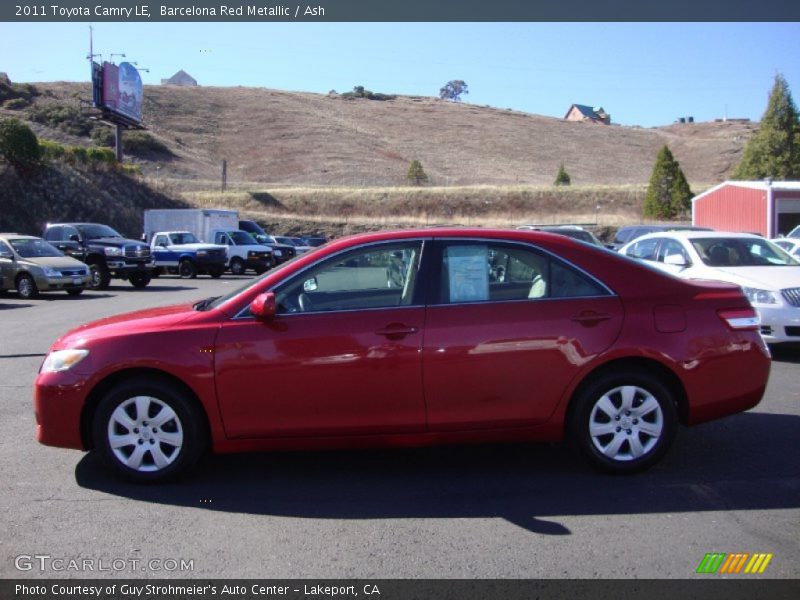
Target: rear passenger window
x=473, y=272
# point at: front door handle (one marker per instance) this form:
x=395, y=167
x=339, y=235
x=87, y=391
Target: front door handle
x=397, y=331
x=590, y=318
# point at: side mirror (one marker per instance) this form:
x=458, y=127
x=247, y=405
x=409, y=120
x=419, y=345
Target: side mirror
x=310, y=285
x=263, y=307
x=675, y=259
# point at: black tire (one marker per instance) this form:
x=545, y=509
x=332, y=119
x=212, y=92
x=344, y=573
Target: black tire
x=139, y=279
x=26, y=287
x=187, y=269
x=100, y=277
x=75, y=292
x=176, y=439
x=237, y=266
x=216, y=272
x=624, y=422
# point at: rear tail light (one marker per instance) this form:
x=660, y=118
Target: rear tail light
x=740, y=319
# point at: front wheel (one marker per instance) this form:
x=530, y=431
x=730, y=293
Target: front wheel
x=148, y=430
x=624, y=422
x=139, y=279
x=26, y=287
x=187, y=269
x=100, y=277
x=237, y=266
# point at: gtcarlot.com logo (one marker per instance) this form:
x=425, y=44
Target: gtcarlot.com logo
x=736, y=563
x=45, y=562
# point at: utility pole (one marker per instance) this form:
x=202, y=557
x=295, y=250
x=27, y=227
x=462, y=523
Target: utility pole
x=224, y=174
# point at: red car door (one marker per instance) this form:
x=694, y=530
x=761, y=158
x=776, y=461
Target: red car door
x=508, y=331
x=342, y=356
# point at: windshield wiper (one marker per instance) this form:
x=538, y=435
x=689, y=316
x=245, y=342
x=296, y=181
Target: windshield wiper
x=203, y=304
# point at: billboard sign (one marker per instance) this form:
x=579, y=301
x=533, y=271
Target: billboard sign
x=121, y=91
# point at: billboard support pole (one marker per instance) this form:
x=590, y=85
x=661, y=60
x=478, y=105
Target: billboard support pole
x=118, y=142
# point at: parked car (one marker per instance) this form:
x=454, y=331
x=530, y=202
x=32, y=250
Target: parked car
x=574, y=231
x=182, y=253
x=769, y=277
x=243, y=251
x=108, y=254
x=791, y=245
x=631, y=232
x=31, y=265
x=313, y=240
x=407, y=338
x=280, y=252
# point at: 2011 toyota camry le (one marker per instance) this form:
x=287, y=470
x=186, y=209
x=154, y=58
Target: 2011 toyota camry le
x=410, y=338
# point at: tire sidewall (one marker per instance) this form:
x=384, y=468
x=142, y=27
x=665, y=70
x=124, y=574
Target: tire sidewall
x=194, y=432
x=186, y=269
x=585, y=402
x=32, y=290
x=237, y=266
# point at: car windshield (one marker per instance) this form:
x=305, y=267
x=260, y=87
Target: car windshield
x=93, y=231
x=182, y=238
x=34, y=248
x=577, y=234
x=741, y=252
x=284, y=240
x=242, y=238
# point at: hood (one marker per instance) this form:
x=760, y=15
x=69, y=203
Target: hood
x=55, y=262
x=151, y=319
x=115, y=241
x=768, y=277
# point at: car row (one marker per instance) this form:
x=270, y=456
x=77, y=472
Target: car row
x=411, y=338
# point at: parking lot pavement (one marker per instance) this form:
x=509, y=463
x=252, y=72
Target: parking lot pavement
x=476, y=512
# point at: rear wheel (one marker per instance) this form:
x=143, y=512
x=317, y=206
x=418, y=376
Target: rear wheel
x=26, y=287
x=149, y=430
x=237, y=266
x=187, y=269
x=624, y=422
x=100, y=277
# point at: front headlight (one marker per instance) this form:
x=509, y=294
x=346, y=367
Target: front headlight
x=113, y=251
x=757, y=296
x=62, y=360
x=50, y=272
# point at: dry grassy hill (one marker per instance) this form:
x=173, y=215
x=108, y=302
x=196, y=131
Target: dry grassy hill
x=313, y=162
x=273, y=138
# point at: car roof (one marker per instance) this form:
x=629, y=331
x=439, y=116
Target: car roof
x=23, y=236
x=694, y=234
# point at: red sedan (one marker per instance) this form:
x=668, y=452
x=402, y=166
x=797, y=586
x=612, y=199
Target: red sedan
x=410, y=338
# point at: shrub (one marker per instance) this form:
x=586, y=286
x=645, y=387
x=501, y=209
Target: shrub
x=104, y=155
x=139, y=142
x=67, y=118
x=77, y=154
x=51, y=150
x=416, y=174
x=18, y=144
x=562, y=177
x=16, y=104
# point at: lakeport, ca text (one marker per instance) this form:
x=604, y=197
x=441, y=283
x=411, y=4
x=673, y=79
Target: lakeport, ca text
x=151, y=590
x=145, y=11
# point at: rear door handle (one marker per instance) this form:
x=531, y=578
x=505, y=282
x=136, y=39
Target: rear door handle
x=396, y=331
x=590, y=318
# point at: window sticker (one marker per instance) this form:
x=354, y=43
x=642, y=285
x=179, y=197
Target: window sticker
x=468, y=273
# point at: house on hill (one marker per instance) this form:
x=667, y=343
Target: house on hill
x=180, y=78
x=581, y=112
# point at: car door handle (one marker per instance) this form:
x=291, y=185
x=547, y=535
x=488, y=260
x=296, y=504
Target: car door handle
x=397, y=331
x=589, y=318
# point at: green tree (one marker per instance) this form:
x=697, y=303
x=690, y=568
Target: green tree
x=18, y=144
x=453, y=90
x=668, y=195
x=416, y=174
x=774, y=150
x=562, y=177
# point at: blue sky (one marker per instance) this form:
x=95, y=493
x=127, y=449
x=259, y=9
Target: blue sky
x=646, y=74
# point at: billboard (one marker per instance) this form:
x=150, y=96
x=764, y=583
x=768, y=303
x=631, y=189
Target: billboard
x=118, y=90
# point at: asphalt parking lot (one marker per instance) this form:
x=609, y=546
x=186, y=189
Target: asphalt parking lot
x=477, y=512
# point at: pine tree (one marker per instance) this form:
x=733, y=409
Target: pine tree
x=774, y=150
x=562, y=177
x=668, y=194
x=416, y=174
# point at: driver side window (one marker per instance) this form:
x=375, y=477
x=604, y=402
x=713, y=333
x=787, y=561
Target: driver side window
x=381, y=276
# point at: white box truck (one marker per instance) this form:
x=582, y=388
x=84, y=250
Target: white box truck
x=213, y=226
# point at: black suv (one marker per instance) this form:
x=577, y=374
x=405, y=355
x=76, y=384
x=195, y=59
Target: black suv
x=107, y=253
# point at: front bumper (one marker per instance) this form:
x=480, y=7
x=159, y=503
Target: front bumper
x=58, y=401
x=123, y=267
x=50, y=284
x=779, y=323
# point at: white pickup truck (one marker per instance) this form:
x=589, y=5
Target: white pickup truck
x=244, y=252
x=182, y=253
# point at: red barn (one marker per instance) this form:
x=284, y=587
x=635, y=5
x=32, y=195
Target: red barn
x=769, y=208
